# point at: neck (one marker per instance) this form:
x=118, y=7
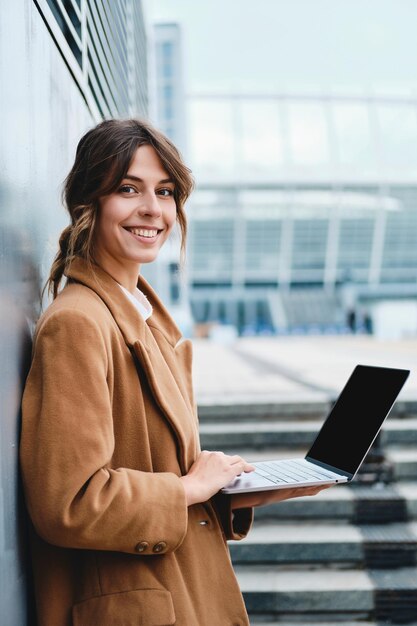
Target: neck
x=125, y=275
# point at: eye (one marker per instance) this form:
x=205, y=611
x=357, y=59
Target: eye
x=128, y=189
x=165, y=192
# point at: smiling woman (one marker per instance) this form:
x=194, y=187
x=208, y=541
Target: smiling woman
x=128, y=522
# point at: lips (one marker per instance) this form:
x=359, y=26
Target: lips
x=149, y=233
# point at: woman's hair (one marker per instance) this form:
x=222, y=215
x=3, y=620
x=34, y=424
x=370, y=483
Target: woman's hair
x=102, y=160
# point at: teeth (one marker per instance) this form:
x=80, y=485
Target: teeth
x=143, y=232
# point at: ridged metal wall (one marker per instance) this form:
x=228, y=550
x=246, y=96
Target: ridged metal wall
x=46, y=103
x=104, y=45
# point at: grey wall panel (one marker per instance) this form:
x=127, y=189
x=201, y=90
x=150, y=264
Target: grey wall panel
x=42, y=116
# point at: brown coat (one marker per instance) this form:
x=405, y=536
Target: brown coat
x=109, y=425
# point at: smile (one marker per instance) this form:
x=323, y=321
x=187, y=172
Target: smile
x=143, y=232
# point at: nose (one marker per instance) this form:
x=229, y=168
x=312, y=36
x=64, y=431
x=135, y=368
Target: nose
x=150, y=205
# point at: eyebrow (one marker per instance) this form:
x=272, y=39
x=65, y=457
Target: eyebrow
x=140, y=180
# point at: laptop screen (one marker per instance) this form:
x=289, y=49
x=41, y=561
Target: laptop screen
x=357, y=416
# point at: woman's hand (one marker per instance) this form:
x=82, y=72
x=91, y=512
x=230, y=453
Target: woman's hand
x=210, y=472
x=260, y=498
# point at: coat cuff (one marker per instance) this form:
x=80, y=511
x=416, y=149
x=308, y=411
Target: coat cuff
x=235, y=523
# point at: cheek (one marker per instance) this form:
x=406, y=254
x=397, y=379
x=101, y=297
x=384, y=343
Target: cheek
x=105, y=233
x=171, y=217
x=111, y=214
x=102, y=228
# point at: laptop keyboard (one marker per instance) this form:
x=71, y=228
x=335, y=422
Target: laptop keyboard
x=292, y=470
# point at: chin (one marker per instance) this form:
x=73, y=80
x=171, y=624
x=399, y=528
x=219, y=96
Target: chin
x=148, y=258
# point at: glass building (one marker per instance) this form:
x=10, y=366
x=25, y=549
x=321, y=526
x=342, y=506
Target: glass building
x=169, y=82
x=305, y=211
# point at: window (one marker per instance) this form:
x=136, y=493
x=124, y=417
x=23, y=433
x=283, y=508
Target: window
x=353, y=136
x=308, y=137
x=260, y=137
x=211, y=137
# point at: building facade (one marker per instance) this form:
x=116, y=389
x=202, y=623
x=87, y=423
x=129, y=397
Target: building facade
x=104, y=47
x=63, y=67
x=170, y=113
x=305, y=211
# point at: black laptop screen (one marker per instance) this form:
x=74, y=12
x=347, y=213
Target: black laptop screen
x=357, y=416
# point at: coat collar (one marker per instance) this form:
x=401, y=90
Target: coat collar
x=129, y=320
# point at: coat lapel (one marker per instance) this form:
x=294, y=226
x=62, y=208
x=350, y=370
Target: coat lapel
x=154, y=347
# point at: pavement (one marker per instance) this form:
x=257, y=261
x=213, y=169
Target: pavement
x=292, y=369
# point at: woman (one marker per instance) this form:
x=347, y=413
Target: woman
x=128, y=526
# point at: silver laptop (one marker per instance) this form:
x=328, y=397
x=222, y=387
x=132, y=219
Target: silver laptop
x=343, y=441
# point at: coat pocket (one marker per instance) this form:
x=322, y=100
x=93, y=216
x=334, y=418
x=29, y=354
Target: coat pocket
x=140, y=607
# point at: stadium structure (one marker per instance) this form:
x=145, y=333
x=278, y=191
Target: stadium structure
x=304, y=218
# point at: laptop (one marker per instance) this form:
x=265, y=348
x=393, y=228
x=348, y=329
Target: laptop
x=343, y=441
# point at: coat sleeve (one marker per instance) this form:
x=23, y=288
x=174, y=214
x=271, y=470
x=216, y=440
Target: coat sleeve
x=75, y=498
x=236, y=523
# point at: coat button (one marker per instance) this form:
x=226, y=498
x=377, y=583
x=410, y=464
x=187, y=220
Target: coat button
x=141, y=547
x=159, y=547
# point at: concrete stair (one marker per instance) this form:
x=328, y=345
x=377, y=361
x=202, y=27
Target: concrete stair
x=345, y=557
x=290, y=434
x=347, y=545
x=353, y=595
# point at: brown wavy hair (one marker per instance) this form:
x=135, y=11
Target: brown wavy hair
x=102, y=160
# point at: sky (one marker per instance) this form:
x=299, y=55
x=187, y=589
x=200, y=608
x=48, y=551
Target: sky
x=351, y=47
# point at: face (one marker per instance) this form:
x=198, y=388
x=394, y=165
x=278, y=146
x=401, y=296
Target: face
x=135, y=221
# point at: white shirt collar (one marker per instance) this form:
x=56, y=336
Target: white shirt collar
x=139, y=300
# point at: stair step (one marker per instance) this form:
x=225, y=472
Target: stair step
x=259, y=434
x=282, y=593
x=345, y=557
x=335, y=503
x=292, y=434
x=402, y=460
x=296, y=543
x=408, y=491
x=329, y=594
x=358, y=505
x=313, y=405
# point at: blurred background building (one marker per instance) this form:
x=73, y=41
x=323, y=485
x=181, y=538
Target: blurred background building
x=303, y=147
x=168, y=75
x=305, y=214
